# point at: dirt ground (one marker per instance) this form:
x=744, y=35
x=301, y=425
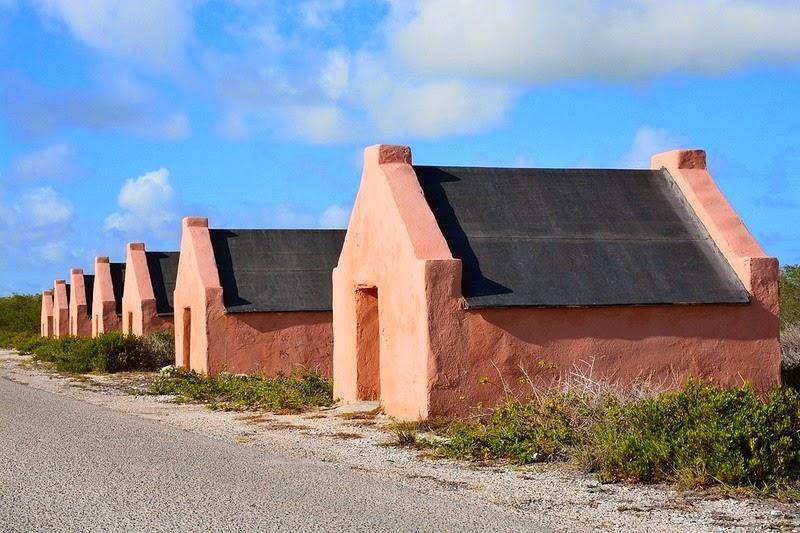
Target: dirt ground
x=555, y=491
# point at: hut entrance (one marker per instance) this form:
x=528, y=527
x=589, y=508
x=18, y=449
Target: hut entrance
x=187, y=337
x=368, y=345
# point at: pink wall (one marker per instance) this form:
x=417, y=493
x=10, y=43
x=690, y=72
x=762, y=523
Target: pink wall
x=104, y=305
x=139, y=312
x=238, y=342
x=438, y=359
x=80, y=323
x=392, y=243
x=60, y=309
x=46, y=317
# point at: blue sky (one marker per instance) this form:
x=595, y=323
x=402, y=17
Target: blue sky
x=117, y=118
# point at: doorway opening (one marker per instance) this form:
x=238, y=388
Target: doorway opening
x=187, y=337
x=368, y=345
x=130, y=322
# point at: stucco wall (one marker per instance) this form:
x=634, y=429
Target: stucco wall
x=46, y=316
x=104, y=305
x=269, y=343
x=60, y=309
x=139, y=311
x=240, y=342
x=436, y=358
x=391, y=239
x=80, y=324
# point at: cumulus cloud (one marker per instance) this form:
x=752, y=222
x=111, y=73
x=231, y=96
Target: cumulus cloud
x=150, y=32
x=649, y=141
x=318, y=123
x=555, y=40
x=118, y=104
x=285, y=215
x=53, y=252
x=316, y=13
x=54, y=161
x=403, y=105
x=334, y=217
x=43, y=207
x=335, y=74
x=34, y=224
x=147, y=206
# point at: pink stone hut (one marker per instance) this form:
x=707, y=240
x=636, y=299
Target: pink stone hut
x=109, y=282
x=457, y=283
x=46, y=320
x=61, y=292
x=80, y=303
x=149, y=287
x=254, y=300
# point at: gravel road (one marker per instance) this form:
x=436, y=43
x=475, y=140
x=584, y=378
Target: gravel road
x=69, y=466
x=81, y=453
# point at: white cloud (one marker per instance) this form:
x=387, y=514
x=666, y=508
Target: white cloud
x=286, y=216
x=334, y=217
x=114, y=103
x=173, y=127
x=53, y=252
x=43, y=207
x=147, y=204
x=647, y=142
x=335, y=74
x=150, y=32
x=318, y=123
x=553, y=40
x=49, y=162
x=233, y=127
x=316, y=13
x=337, y=94
x=430, y=109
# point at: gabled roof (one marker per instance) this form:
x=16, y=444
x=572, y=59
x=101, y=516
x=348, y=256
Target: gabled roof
x=163, y=268
x=88, y=287
x=576, y=237
x=276, y=270
x=118, y=283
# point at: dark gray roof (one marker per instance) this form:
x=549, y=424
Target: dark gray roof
x=163, y=268
x=576, y=237
x=88, y=286
x=276, y=270
x=118, y=283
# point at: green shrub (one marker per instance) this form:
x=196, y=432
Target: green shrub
x=284, y=393
x=19, y=318
x=697, y=436
x=110, y=352
x=703, y=435
x=790, y=295
x=519, y=432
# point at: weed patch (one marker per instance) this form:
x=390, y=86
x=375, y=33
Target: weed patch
x=110, y=352
x=698, y=436
x=291, y=393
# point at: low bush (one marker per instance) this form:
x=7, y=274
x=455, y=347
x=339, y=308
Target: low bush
x=703, y=435
x=697, y=436
x=19, y=319
x=295, y=392
x=110, y=352
x=790, y=295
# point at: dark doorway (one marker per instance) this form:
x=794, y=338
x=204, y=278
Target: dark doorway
x=187, y=337
x=368, y=369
